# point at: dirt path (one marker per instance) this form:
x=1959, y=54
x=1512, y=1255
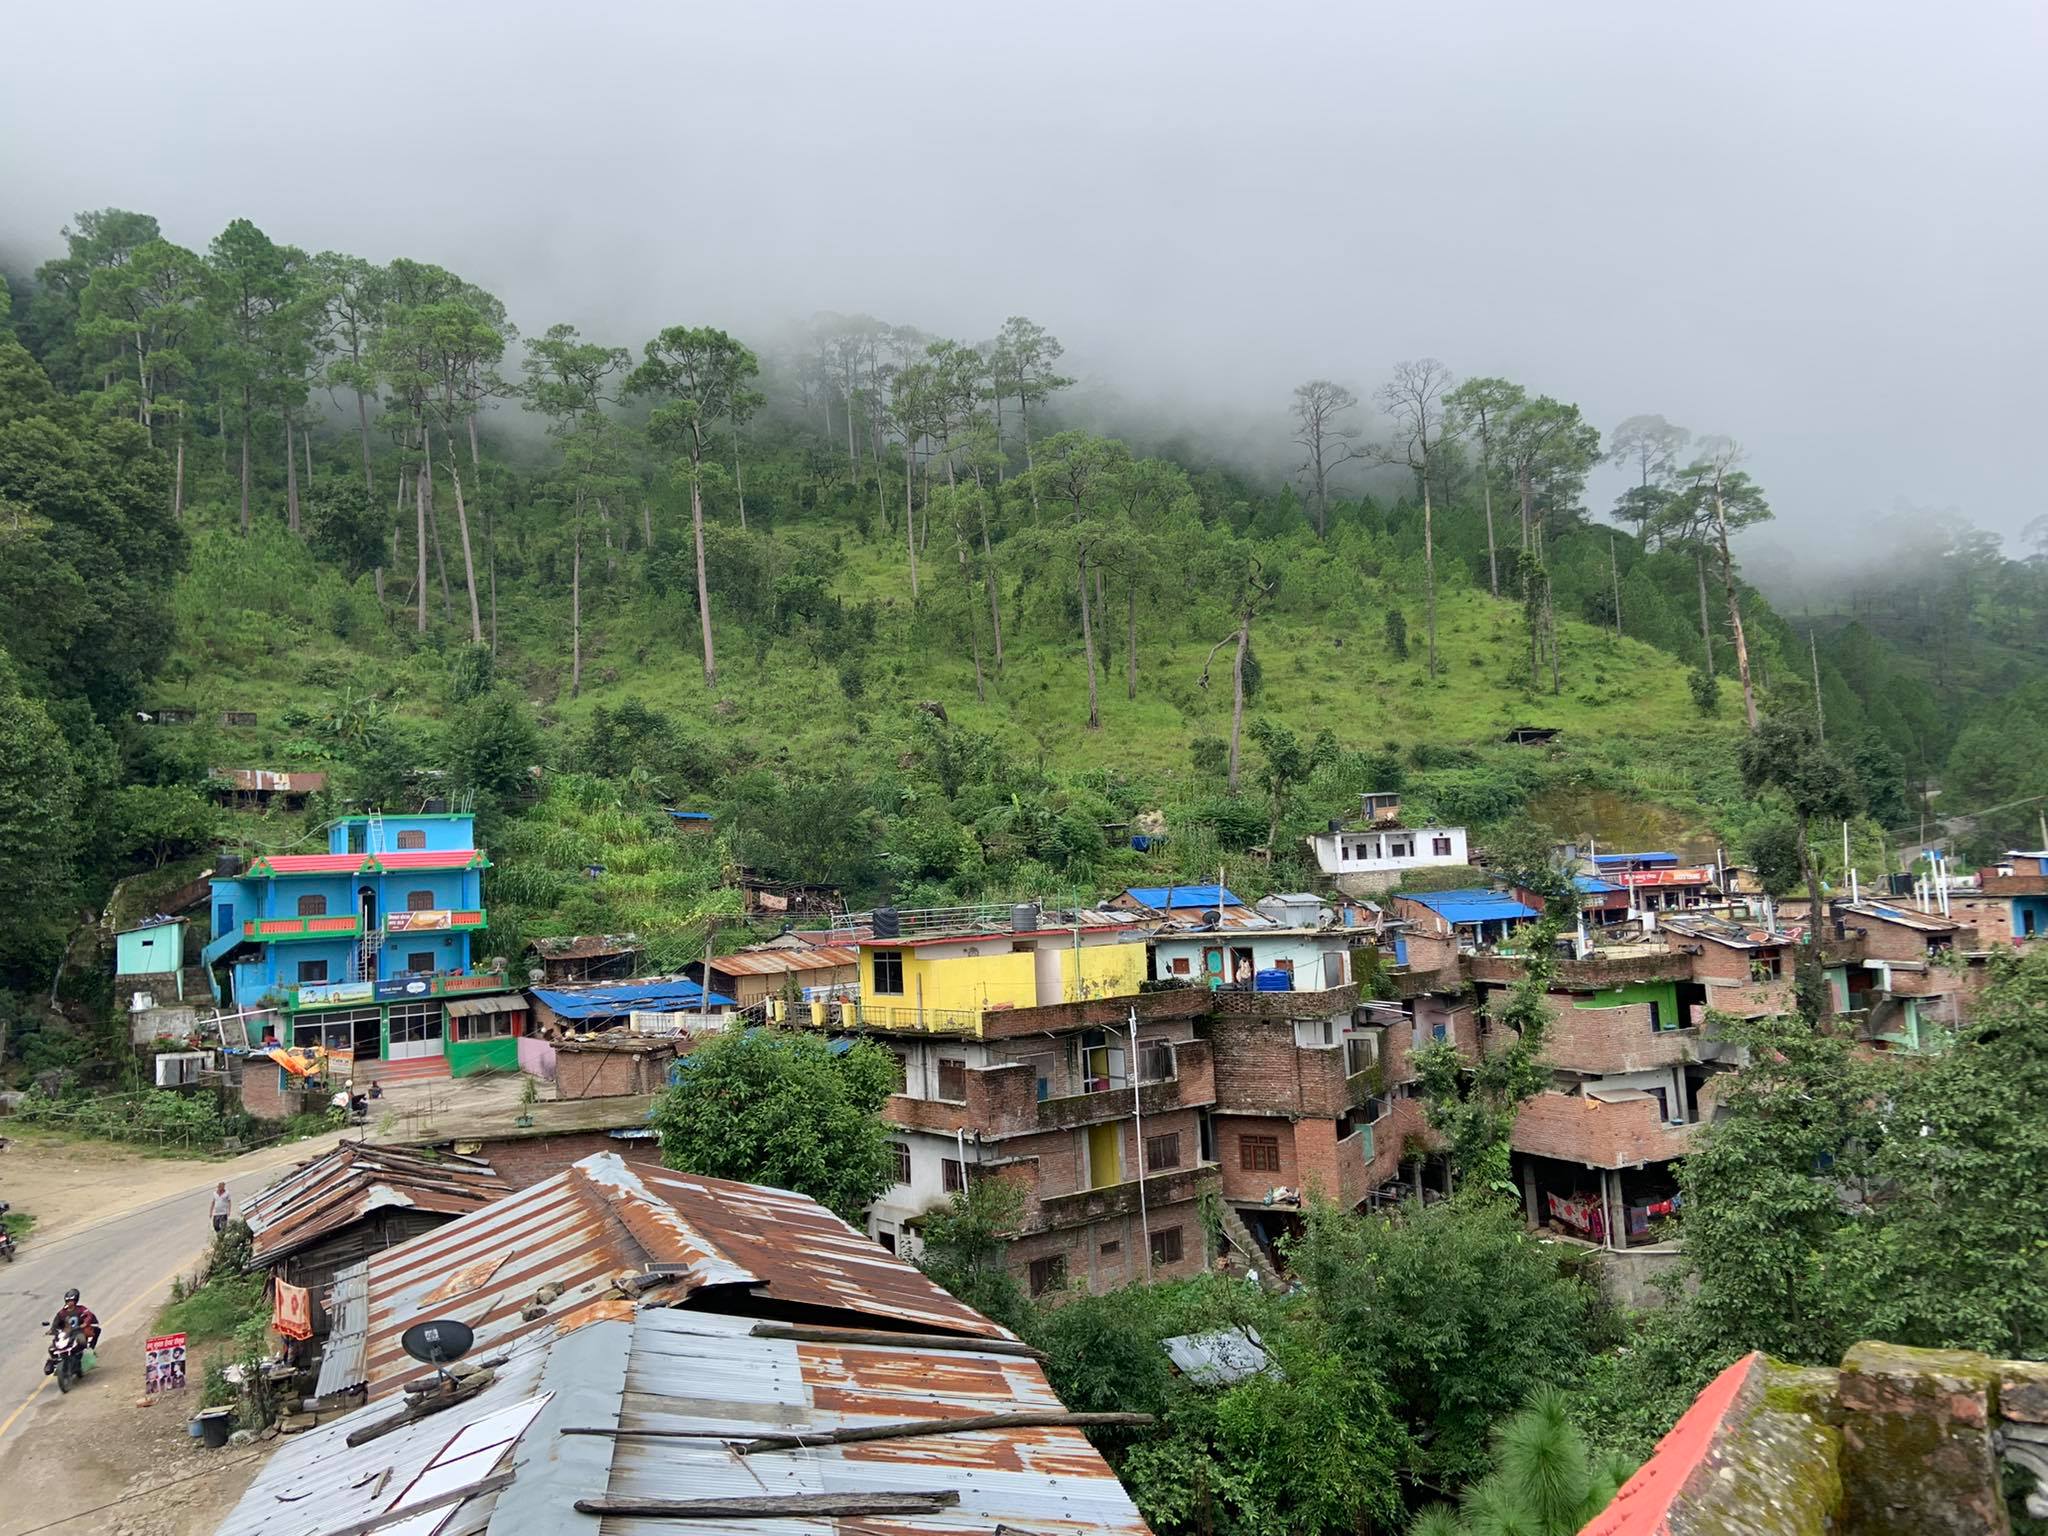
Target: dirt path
x=118, y=1226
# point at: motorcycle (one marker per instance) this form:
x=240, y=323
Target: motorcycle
x=67, y=1356
x=6, y=1237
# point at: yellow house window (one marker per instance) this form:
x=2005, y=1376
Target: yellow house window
x=888, y=965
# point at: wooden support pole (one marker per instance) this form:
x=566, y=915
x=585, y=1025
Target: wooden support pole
x=882, y=1336
x=786, y=1506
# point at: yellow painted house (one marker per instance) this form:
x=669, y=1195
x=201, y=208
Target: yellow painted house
x=949, y=980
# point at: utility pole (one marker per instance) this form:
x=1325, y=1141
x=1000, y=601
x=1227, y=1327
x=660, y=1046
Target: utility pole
x=1819, y=718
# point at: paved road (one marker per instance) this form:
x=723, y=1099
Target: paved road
x=124, y=1262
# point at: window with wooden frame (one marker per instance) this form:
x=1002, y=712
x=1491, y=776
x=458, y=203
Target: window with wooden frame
x=953, y=1079
x=312, y=906
x=420, y=963
x=1258, y=1154
x=415, y=838
x=951, y=1175
x=1155, y=1061
x=1162, y=1151
x=1048, y=1274
x=902, y=1162
x=419, y=901
x=1166, y=1248
x=312, y=972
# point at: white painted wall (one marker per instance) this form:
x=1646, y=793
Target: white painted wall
x=1372, y=850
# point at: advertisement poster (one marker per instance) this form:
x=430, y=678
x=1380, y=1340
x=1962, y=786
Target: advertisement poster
x=163, y=1367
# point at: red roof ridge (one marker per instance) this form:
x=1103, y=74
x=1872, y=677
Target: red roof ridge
x=1643, y=1506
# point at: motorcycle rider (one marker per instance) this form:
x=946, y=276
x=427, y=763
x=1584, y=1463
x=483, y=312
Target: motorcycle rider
x=74, y=1314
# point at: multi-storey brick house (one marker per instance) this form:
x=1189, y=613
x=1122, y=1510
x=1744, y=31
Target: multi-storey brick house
x=1028, y=1052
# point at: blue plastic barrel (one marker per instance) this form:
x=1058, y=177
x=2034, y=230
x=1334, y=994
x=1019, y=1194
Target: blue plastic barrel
x=1275, y=980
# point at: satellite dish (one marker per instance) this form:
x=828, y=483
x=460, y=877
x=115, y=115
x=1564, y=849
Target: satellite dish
x=437, y=1341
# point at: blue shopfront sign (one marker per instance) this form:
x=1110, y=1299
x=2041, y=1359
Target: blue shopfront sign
x=404, y=987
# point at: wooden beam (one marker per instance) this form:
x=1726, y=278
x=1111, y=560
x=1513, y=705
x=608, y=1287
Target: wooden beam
x=906, y=1429
x=911, y=1429
x=785, y=1506
x=805, y=1334
x=363, y=1527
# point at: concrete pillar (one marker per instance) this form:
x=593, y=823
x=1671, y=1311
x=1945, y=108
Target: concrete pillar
x=1610, y=1186
x=1416, y=1178
x=1529, y=1204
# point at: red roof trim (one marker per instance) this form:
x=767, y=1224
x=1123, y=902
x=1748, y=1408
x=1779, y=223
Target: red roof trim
x=977, y=936
x=1643, y=1506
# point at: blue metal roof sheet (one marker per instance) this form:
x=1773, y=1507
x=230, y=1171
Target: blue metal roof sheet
x=1184, y=897
x=1593, y=885
x=667, y=994
x=1635, y=858
x=1472, y=906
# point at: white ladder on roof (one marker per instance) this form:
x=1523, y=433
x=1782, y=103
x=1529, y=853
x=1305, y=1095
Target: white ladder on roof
x=374, y=841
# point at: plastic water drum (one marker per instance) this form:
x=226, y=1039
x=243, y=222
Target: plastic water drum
x=1275, y=980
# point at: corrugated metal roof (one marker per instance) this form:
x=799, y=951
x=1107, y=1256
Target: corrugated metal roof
x=1220, y=1358
x=317, y=1482
x=1198, y=896
x=601, y=1220
x=655, y=1367
x=355, y=1180
x=1592, y=885
x=1635, y=858
x=364, y=863
x=692, y=1370
x=660, y=994
x=766, y=961
x=1471, y=906
x=348, y=1311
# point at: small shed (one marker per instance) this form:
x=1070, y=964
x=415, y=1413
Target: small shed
x=585, y=957
x=259, y=788
x=755, y=974
x=611, y=1005
x=359, y=1199
x=153, y=948
x=689, y=821
x=1530, y=735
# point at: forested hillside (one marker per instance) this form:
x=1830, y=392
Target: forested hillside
x=879, y=600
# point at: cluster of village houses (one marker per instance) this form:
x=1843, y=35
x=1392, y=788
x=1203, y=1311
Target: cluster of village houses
x=1116, y=1063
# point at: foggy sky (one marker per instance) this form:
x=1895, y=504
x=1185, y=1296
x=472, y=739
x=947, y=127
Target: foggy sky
x=1819, y=228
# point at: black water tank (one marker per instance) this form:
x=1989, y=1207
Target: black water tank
x=227, y=865
x=434, y=808
x=887, y=924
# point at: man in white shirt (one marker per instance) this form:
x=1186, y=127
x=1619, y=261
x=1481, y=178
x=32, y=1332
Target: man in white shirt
x=223, y=1207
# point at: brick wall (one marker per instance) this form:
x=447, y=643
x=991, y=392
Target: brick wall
x=1240, y=1183
x=263, y=1097
x=1714, y=961
x=1617, y=1039
x=1990, y=916
x=524, y=1160
x=598, y=1071
x=1091, y=1268
x=1106, y=1013
x=1888, y=941
x=1598, y=1134
x=1259, y=1067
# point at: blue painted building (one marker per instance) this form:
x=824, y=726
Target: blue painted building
x=366, y=948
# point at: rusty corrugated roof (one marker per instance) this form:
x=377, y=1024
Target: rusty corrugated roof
x=355, y=1180
x=600, y=1221
x=765, y=961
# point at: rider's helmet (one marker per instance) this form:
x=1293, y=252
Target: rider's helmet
x=71, y=1297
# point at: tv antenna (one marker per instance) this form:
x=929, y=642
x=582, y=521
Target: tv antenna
x=436, y=1342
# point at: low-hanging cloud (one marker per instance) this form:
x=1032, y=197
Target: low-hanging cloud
x=1815, y=228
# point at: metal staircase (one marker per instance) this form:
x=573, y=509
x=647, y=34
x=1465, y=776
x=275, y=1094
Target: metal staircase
x=363, y=965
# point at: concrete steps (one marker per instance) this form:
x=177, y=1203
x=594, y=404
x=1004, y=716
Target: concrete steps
x=1239, y=1238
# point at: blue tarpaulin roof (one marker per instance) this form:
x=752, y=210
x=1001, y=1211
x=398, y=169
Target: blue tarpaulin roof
x=666, y=994
x=690, y=815
x=1592, y=885
x=1635, y=858
x=1184, y=897
x=1473, y=906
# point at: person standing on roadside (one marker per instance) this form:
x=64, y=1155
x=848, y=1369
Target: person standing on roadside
x=223, y=1207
